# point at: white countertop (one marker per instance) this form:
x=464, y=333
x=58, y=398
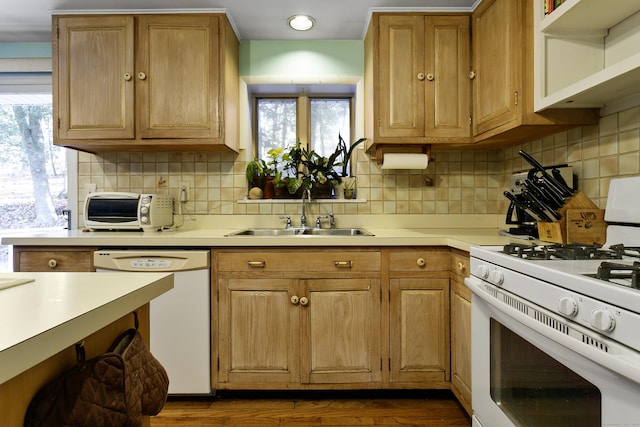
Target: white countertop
x=56, y=310
x=456, y=238
x=457, y=231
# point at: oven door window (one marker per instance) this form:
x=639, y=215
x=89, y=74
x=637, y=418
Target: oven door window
x=535, y=390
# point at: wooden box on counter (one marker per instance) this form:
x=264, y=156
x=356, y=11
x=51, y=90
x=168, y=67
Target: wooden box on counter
x=582, y=222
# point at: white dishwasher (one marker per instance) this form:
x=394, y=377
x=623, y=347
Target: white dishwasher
x=179, y=319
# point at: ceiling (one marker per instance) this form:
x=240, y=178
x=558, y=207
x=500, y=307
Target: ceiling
x=30, y=20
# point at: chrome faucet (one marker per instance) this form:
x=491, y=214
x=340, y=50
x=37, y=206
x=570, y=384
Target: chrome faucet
x=303, y=218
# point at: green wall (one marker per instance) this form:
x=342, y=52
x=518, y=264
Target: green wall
x=295, y=58
x=25, y=50
x=260, y=58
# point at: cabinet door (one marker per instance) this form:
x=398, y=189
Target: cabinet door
x=448, y=88
x=258, y=331
x=419, y=329
x=401, y=80
x=497, y=64
x=340, y=331
x=461, y=342
x=177, y=76
x=95, y=87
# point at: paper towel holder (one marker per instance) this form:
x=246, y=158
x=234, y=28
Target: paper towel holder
x=381, y=148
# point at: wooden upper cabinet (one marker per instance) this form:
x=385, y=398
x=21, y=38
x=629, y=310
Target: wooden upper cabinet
x=503, y=70
x=416, y=79
x=177, y=76
x=133, y=82
x=497, y=40
x=95, y=90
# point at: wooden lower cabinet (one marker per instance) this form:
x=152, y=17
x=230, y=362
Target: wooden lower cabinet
x=298, y=325
x=52, y=258
x=419, y=317
x=419, y=332
x=460, y=330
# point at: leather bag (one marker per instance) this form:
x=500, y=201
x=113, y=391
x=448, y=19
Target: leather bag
x=114, y=389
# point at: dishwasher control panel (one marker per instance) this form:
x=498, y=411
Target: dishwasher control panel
x=169, y=260
x=151, y=263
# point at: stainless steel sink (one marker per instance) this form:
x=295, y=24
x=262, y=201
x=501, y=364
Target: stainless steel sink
x=290, y=232
x=337, y=232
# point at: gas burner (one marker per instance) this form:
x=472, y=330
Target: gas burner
x=622, y=274
x=562, y=252
x=632, y=251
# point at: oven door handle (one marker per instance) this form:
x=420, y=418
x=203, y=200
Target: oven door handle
x=621, y=360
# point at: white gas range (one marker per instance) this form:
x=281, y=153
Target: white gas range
x=559, y=323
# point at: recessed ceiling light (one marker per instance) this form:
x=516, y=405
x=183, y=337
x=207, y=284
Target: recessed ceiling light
x=301, y=22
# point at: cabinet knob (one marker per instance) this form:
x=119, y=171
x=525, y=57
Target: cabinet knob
x=472, y=75
x=52, y=263
x=430, y=77
x=343, y=264
x=142, y=75
x=304, y=301
x=295, y=300
x=420, y=76
x=127, y=76
x=420, y=262
x=256, y=264
x=461, y=267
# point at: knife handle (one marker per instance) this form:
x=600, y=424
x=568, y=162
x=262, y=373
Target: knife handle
x=533, y=162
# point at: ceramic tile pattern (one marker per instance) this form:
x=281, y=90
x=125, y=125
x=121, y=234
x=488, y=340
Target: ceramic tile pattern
x=464, y=181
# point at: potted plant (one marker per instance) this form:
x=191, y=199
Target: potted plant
x=311, y=171
x=308, y=170
x=264, y=174
x=346, y=153
x=348, y=183
x=256, y=173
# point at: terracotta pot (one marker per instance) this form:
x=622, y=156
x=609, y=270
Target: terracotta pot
x=322, y=191
x=269, y=188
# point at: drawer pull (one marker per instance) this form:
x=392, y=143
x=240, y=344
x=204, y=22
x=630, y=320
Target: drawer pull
x=343, y=264
x=257, y=264
x=461, y=267
x=420, y=262
x=52, y=263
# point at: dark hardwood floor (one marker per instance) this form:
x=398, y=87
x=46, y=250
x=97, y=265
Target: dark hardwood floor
x=326, y=409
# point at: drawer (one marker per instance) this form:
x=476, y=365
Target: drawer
x=460, y=264
x=299, y=260
x=61, y=259
x=419, y=260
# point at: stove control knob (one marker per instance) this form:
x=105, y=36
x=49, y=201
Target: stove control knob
x=496, y=277
x=568, y=306
x=603, y=320
x=483, y=271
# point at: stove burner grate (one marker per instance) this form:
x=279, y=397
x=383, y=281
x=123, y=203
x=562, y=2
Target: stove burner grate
x=562, y=252
x=619, y=273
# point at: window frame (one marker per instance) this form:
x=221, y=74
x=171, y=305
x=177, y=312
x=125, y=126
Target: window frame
x=303, y=116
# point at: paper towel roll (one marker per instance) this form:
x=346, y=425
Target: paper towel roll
x=405, y=161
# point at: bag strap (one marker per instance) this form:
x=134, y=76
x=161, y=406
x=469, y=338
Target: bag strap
x=80, y=354
x=135, y=319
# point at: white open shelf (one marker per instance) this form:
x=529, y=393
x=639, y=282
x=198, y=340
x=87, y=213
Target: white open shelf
x=587, y=53
x=588, y=15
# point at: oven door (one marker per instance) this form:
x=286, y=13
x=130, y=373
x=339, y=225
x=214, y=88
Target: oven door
x=528, y=371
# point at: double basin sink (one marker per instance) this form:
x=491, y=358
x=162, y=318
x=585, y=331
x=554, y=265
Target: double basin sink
x=295, y=231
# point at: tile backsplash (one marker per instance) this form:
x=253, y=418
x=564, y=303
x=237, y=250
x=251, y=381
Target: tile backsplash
x=464, y=182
